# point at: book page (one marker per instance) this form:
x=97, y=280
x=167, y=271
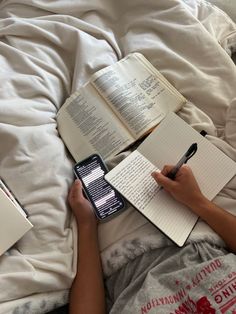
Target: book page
x=88, y=126
x=132, y=178
x=140, y=97
x=13, y=225
x=11, y=197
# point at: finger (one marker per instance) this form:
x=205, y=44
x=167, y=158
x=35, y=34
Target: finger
x=185, y=171
x=163, y=181
x=185, y=168
x=76, y=190
x=167, y=169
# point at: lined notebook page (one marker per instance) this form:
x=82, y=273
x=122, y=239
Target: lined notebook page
x=132, y=178
x=171, y=139
x=171, y=217
x=166, y=145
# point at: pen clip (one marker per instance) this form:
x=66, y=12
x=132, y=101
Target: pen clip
x=191, y=151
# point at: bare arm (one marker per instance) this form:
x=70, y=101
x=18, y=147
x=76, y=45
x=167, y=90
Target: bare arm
x=186, y=190
x=87, y=292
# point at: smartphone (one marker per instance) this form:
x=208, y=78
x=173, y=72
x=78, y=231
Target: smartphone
x=105, y=199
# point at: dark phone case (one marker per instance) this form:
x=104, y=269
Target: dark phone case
x=86, y=193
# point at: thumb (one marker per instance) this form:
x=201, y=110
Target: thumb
x=162, y=180
x=76, y=192
x=78, y=188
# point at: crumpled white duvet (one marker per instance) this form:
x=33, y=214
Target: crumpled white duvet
x=47, y=50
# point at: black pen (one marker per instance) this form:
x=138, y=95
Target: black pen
x=190, y=152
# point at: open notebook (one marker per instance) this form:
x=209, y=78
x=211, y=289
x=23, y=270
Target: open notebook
x=166, y=145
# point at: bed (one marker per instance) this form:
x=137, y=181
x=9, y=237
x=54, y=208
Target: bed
x=48, y=49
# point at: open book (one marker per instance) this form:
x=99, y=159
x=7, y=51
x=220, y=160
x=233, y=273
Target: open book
x=120, y=104
x=13, y=219
x=166, y=145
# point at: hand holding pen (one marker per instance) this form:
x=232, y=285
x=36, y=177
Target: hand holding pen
x=190, y=152
x=182, y=185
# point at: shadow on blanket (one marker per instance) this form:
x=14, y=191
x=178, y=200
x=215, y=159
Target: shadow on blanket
x=60, y=310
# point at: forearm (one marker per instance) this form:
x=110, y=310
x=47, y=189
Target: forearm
x=87, y=291
x=222, y=222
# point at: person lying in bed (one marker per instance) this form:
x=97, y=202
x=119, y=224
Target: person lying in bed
x=197, y=278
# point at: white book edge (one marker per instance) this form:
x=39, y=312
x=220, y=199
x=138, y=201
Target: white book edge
x=13, y=224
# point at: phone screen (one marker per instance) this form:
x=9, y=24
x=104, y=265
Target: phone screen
x=104, y=198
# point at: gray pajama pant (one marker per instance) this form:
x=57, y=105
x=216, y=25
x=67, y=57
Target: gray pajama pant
x=198, y=278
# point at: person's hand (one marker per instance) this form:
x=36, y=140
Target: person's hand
x=184, y=188
x=80, y=206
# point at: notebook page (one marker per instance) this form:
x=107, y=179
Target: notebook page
x=172, y=138
x=171, y=217
x=132, y=178
x=166, y=145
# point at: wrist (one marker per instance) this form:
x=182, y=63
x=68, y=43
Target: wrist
x=199, y=204
x=87, y=225
x=88, y=234
x=85, y=219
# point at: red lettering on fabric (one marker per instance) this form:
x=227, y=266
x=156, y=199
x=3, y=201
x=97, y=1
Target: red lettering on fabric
x=225, y=292
x=202, y=306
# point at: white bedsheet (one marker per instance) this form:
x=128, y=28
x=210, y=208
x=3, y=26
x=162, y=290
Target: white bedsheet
x=47, y=50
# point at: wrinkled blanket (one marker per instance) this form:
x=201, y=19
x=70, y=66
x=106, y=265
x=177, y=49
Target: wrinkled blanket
x=48, y=49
